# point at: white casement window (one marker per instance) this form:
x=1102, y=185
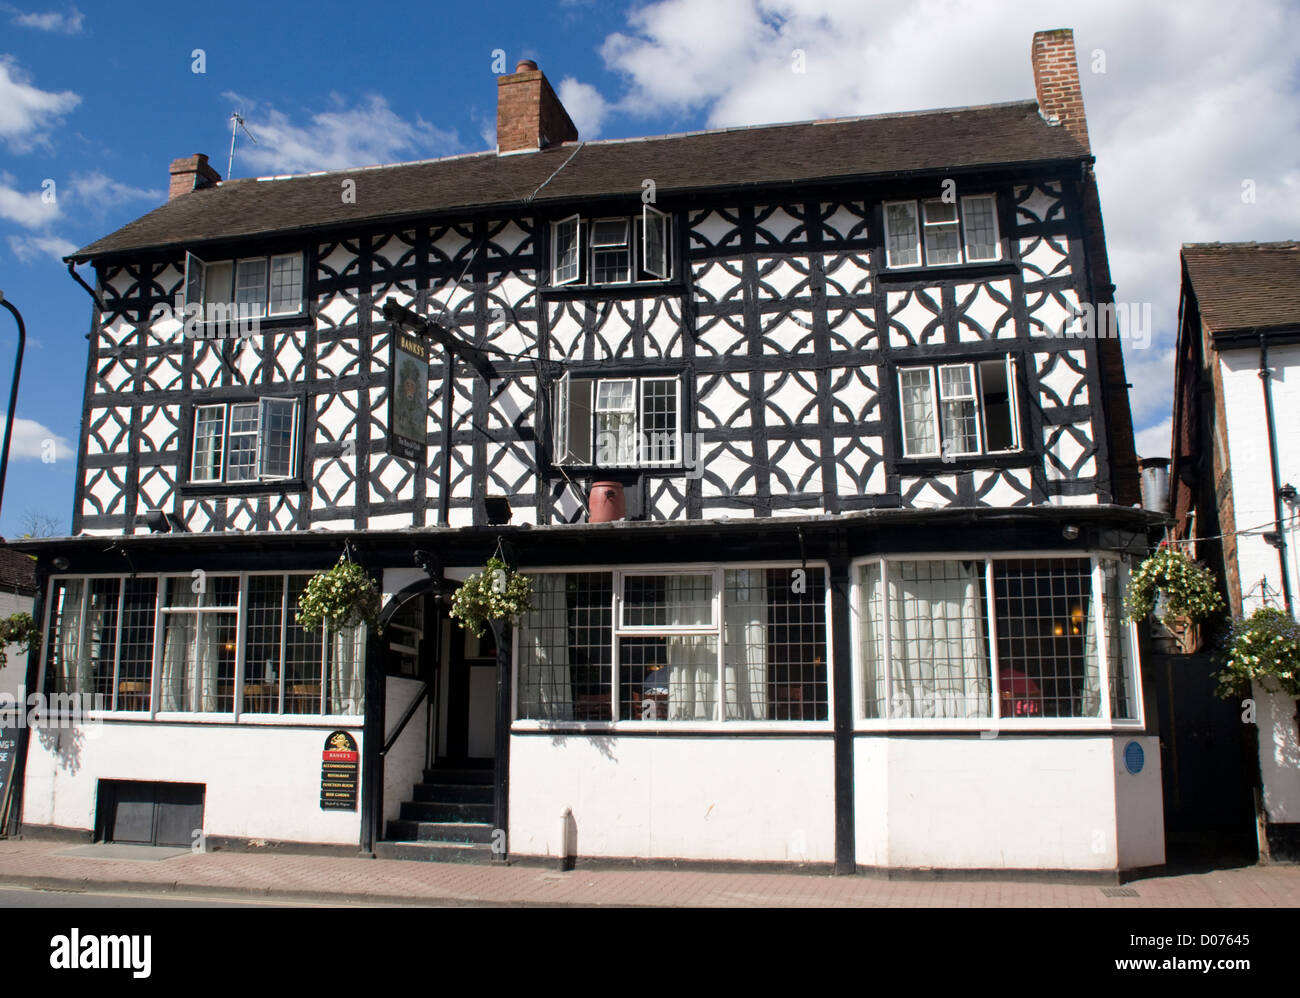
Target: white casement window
x=960, y=640
x=245, y=441
x=618, y=422
x=948, y=233
x=654, y=242
x=185, y=644
x=902, y=236
x=253, y=287
x=566, y=254
x=973, y=411
x=612, y=251
x=682, y=644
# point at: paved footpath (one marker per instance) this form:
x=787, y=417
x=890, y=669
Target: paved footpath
x=38, y=863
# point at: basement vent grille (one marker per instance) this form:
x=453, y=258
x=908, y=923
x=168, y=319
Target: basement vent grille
x=1120, y=892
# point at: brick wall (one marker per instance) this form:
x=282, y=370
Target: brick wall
x=529, y=115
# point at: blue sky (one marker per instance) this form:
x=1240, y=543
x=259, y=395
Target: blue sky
x=1186, y=104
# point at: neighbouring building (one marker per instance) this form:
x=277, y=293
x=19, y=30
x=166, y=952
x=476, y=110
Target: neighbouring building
x=862, y=610
x=1235, y=465
x=17, y=595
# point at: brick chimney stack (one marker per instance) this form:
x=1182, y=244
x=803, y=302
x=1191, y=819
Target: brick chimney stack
x=1056, y=79
x=191, y=173
x=529, y=115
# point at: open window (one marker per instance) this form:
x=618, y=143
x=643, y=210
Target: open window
x=617, y=250
x=618, y=422
x=245, y=441
x=249, y=287
x=959, y=410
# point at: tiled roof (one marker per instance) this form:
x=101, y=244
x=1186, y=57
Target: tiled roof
x=1242, y=286
x=869, y=147
x=17, y=571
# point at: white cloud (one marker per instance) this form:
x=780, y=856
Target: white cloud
x=99, y=192
x=33, y=440
x=26, y=112
x=585, y=105
x=1196, y=98
x=29, y=248
x=366, y=134
x=28, y=208
x=67, y=24
x=1154, y=440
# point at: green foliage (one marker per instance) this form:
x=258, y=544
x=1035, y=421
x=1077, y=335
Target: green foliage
x=18, y=629
x=1190, y=589
x=1264, y=647
x=496, y=593
x=344, y=596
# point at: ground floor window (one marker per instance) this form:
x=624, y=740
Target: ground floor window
x=199, y=644
x=993, y=637
x=698, y=644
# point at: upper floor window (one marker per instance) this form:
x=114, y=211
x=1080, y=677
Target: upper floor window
x=245, y=441
x=618, y=422
x=949, y=233
x=254, y=287
x=619, y=250
x=954, y=410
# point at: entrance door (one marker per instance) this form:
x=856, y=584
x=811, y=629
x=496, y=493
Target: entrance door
x=470, y=718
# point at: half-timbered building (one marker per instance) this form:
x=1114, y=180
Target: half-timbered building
x=862, y=608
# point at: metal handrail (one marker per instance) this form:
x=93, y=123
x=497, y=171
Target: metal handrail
x=411, y=708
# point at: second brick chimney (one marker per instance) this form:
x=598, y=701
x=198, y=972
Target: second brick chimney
x=529, y=115
x=1056, y=79
x=191, y=173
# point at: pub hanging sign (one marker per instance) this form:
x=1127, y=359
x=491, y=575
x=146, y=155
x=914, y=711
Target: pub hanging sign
x=408, y=397
x=340, y=772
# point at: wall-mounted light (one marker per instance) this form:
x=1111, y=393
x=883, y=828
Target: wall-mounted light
x=1070, y=532
x=60, y=564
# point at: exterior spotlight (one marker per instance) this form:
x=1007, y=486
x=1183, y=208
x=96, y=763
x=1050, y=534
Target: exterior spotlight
x=1070, y=532
x=60, y=564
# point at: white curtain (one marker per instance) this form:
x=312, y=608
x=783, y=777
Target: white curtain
x=546, y=692
x=871, y=639
x=745, y=644
x=1090, y=699
x=68, y=641
x=178, y=648
x=940, y=662
x=207, y=665
x=692, y=677
x=347, y=649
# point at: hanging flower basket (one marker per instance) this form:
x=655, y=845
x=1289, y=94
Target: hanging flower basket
x=496, y=593
x=18, y=629
x=342, y=597
x=1264, y=647
x=1178, y=590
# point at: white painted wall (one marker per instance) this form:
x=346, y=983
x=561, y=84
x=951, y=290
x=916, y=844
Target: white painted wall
x=1006, y=803
x=404, y=764
x=1252, y=496
x=735, y=798
x=262, y=782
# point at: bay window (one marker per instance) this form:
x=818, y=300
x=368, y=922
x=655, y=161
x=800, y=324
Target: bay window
x=698, y=644
x=957, y=410
x=985, y=638
x=222, y=642
x=947, y=232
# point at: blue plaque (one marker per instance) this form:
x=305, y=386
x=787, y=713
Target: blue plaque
x=1134, y=758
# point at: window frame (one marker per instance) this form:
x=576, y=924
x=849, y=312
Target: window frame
x=719, y=723
x=921, y=247
x=194, y=284
x=938, y=400
x=637, y=229
x=1105, y=721
x=160, y=612
x=562, y=438
x=226, y=435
